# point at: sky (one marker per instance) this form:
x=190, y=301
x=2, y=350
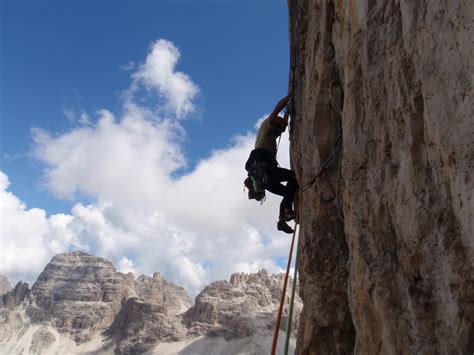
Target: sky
x=125, y=127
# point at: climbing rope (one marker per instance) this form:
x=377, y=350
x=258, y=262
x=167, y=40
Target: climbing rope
x=285, y=283
x=337, y=144
x=292, y=302
x=338, y=110
x=327, y=163
x=331, y=98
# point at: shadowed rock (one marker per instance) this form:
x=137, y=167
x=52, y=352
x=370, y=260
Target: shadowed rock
x=13, y=298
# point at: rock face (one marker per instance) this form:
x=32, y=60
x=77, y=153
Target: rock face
x=139, y=326
x=80, y=294
x=5, y=285
x=154, y=316
x=13, y=298
x=42, y=339
x=159, y=291
x=81, y=304
x=397, y=274
x=240, y=307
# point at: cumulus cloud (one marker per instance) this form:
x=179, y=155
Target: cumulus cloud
x=126, y=265
x=194, y=229
x=158, y=74
x=28, y=237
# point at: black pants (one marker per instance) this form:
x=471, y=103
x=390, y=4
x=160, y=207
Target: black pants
x=275, y=176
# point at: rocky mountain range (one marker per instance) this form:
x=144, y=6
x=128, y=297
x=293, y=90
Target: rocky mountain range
x=81, y=304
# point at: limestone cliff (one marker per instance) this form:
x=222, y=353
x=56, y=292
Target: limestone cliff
x=81, y=304
x=393, y=270
x=4, y=285
x=241, y=307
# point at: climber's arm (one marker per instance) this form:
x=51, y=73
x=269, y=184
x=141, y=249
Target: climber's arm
x=279, y=106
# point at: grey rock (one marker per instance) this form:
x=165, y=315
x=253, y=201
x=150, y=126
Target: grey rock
x=85, y=299
x=80, y=294
x=11, y=324
x=140, y=325
x=239, y=308
x=13, y=298
x=5, y=285
x=397, y=275
x=157, y=290
x=41, y=341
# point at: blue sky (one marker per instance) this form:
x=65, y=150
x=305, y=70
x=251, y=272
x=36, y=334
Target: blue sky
x=59, y=55
x=64, y=59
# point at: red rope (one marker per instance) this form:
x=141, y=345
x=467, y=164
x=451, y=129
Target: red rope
x=283, y=294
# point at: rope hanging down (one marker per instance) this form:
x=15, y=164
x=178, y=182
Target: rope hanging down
x=285, y=283
x=292, y=302
x=338, y=110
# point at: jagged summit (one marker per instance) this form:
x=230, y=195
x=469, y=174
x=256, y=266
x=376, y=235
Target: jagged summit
x=76, y=255
x=5, y=285
x=80, y=302
x=240, y=307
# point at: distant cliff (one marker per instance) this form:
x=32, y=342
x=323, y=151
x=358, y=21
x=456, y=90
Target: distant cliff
x=392, y=269
x=81, y=304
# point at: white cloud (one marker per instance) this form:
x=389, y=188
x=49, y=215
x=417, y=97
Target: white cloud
x=84, y=118
x=28, y=237
x=158, y=74
x=126, y=265
x=194, y=229
x=70, y=115
x=129, y=66
x=197, y=228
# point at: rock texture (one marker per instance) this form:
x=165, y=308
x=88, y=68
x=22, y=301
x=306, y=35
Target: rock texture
x=80, y=294
x=397, y=275
x=13, y=298
x=158, y=290
x=154, y=316
x=241, y=307
x=139, y=326
x=81, y=304
x=5, y=285
x=42, y=339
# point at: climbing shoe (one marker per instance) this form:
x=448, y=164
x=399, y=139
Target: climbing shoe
x=284, y=227
x=289, y=215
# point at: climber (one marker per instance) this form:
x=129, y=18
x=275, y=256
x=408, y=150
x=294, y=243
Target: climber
x=263, y=168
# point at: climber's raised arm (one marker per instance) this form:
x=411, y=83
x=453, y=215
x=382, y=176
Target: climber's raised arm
x=279, y=106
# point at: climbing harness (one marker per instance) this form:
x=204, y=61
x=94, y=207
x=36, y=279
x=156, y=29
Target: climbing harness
x=255, y=192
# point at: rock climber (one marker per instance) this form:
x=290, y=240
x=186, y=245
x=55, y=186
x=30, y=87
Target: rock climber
x=263, y=167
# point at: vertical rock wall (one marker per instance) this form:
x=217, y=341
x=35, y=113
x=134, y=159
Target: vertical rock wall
x=397, y=276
